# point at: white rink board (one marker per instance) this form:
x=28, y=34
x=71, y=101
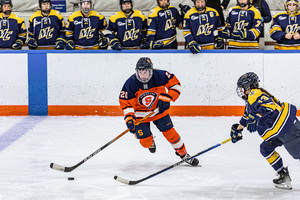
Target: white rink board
x=13, y=79
x=96, y=79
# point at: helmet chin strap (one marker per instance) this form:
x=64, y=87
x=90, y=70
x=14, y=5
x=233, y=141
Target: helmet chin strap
x=46, y=11
x=7, y=12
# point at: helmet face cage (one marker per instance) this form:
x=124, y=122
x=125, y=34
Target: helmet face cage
x=126, y=1
x=247, y=82
x=163, y=7
x=290, y=2
x=86, y=10
x=144, y=63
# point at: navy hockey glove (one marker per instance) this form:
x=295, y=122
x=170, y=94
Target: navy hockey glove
x=115, y=44
x=32, y=43
x=144, y=43
x=224, y=33
x=156, y=45
x=103, y=42
x=70, y=45
x=184, y=9
x=219, y=43
x=164, y=102
x=60, y=43
x=18, y=44
x=130, y=123
x=194, y=47
x=235, y=134
x=239, y=34
x=252, y=122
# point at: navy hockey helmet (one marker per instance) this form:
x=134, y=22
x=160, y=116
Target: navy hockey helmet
x=296, y=2
x=2, y=2
x=126, y=1
x=86, y=10
x=242, y=5
x=164, y=7
x=144, y=63
x=246, y=82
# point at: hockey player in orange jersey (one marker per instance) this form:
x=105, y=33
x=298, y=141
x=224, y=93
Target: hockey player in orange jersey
x=142, y=93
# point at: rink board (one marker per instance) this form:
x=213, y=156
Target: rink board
x=89, y=82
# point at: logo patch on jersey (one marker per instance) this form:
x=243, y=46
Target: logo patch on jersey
x=234, y=13
x=194, y=17
x=281, y=18
x=147, y=99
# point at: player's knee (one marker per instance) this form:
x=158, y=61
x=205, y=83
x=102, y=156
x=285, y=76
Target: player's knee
x=171, y=135
x=146, y=142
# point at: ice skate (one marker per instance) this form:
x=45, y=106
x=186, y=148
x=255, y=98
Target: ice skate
x=192, y=161
x=152, y=149
x=284, y=180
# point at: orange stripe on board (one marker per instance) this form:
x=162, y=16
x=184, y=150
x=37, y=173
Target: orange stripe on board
x=13, y=110
x=85, y=110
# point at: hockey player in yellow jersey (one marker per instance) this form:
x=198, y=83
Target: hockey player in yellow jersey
x=86, y=28
x=46, y=28
x=162, y=23
x=243, y=25
x=128, y=27
x=12, y=27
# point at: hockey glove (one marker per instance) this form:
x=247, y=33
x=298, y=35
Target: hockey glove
x=219, y=43
x=32, y=43
x=115, y=44
x=70, y=45
x=18, y=44
x=144, y=43
x=184, y=9
x=239, y=34
x=60, y=43
x=235, y=134
x=130, y=123
x=156, y=45
x=164, y=102
x=252, y=122
x=194, y=47
x=103, y=42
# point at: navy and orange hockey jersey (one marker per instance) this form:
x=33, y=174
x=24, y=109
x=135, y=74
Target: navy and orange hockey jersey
x=140, y=99
x=129, y=31
x=162, y=25
x=277, y=118
x=282, y=24
x=201, y=27
x=11, y=29
x=238, y=20
x=85, y=31
x=45, y=30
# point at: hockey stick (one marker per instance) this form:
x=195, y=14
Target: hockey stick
x=69, y=169
x=128, y=182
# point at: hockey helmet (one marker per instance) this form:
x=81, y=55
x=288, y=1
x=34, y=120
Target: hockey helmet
x=246, y=82
x=45, y=1
x=296, y=2
x=164, y=7
x=144, y=63
x=2, y=2
x=242, y=5
x=86, y=10
x=126, y=1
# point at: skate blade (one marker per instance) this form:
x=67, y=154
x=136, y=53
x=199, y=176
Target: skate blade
x=287, y=186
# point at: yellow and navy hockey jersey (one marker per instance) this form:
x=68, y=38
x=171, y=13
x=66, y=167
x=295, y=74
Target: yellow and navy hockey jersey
x=129, y=31
x=284, y=23
x=276, y=117
x=85, y=31
x=162, y=25
x=11, y=29
x=45, y=30
x=238, y=20
x=201, y=27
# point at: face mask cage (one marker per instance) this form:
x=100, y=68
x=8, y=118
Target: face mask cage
x=241, y=93
x=146, y=80
x=86, y=10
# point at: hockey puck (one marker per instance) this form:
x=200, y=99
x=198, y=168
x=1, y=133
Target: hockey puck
x=71, y=178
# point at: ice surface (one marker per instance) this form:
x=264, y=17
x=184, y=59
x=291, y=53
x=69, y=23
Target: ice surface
x=232, y=171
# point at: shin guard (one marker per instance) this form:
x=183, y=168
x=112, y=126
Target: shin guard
x=173, y=137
